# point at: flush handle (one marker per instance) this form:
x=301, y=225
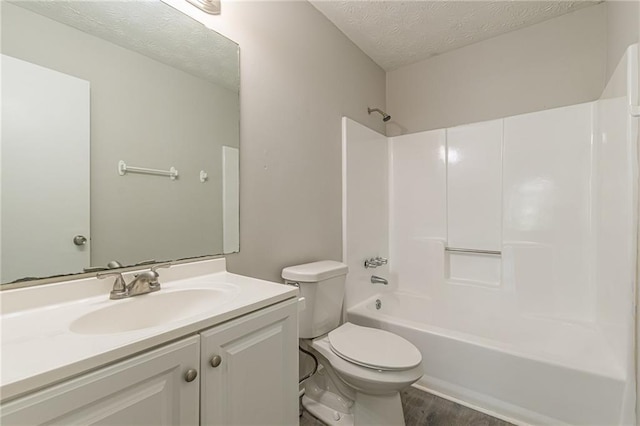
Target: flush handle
x=191, y=375
x=215, y=361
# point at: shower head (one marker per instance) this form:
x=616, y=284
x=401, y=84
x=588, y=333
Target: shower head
x=385, y=117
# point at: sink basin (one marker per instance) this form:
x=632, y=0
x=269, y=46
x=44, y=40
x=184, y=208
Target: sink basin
x=151, y=310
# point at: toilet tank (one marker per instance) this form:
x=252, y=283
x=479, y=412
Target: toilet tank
x=322, y=284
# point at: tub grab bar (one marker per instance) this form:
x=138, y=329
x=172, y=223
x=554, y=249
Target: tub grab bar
x=475, y=251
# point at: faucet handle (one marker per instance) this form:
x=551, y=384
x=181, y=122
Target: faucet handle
x=154, y=282
x=119, y=286
x=370, y=263
x=102, y=275
x=374, y=262
x=160, y=265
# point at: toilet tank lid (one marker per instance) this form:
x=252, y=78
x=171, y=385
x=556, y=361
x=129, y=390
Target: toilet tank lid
x=315, y=271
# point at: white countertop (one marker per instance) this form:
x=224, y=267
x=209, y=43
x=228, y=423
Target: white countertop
x=39, y=349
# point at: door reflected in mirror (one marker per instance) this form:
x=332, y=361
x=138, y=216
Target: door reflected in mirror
x=88, y=87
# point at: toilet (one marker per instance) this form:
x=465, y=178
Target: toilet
x=361, y=369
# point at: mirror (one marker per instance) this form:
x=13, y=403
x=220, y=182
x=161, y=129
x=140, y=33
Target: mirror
x=120, y=137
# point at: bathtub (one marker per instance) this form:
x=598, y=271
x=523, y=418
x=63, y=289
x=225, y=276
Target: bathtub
x=523, y=369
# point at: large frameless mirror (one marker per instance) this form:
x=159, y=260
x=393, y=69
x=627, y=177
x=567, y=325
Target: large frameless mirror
x=120, y=137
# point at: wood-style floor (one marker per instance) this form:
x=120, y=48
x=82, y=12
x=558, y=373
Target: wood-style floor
x=424, y=409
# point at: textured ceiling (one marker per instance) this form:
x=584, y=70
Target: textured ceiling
x=153, y=29
x=397, y=33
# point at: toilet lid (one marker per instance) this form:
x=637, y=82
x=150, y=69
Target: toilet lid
x=373, y=348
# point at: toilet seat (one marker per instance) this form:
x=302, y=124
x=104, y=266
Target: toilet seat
x=373, y=348
x=365, y=379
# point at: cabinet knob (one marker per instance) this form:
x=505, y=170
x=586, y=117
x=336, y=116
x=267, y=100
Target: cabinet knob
x=191, y=375
x=215, y=361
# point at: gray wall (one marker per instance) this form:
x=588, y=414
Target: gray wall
x=299, y=76
x=555, y=63
x=149, y=115
x=623, y=29
x=638, y=264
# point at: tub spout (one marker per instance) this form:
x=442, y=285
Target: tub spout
x=378, y=280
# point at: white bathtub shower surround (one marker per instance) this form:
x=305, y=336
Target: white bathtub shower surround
x=418, y=223
x=365, y=203
x=616, y=272
x=474, y=202
x=552, y=216
x=546, y=336
x=547, y=204
x=473, y=151
x=522, y=368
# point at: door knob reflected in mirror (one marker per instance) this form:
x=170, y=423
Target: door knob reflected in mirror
x=79, y=240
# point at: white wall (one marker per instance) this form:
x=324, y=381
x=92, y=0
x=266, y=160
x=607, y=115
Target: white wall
x=555, y=63
x=299, y=76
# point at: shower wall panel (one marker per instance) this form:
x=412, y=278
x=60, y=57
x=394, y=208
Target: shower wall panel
x=365, y=204
x=547, y=211
x=612, y=214
x=418, y=210
x=474, y=202
x=474, y=185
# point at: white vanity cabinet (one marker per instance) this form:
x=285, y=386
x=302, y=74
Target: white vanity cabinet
x=250, y=369
x=148, y=389
x=253, y=380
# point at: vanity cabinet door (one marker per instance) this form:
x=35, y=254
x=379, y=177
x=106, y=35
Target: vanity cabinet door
x=250, y=369
x=148, y=389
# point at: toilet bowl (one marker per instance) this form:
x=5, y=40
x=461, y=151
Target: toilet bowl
x=371, y=366
x=370, y=360
x=362, y=369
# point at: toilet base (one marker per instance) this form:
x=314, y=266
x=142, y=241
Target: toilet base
x=374, y=410
x=328, y=415
x=382, y=410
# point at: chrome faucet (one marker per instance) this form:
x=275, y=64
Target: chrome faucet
x=378, y=280
x=142, y=283
x=374, y=262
